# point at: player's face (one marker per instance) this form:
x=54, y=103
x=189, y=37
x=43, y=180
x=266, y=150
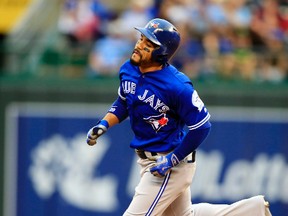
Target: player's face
x=142, y=53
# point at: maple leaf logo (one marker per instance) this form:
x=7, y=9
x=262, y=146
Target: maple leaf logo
x=154, y=25
x=157, y=122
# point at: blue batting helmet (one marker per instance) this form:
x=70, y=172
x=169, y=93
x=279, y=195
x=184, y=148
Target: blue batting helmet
x=165, y=35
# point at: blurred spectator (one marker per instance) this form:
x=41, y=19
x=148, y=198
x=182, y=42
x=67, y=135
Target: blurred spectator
x=265, y=24
x=80, y=20
x=138, y=13
x=220, y=39
x=190, y=53
x=226, y=68
x=283, y=13
x=273, y=68
x=108, y=53
x=177, y=11
x=238, y=14
x=246, y=60
x=214, y=15
x=202, y=15
x=214, y=45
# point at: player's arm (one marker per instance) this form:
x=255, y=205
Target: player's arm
x=196, y=117
x=111, y=119
x=117, y=113
x=191, y=142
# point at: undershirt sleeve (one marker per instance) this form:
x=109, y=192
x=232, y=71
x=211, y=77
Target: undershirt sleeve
x=119, y=109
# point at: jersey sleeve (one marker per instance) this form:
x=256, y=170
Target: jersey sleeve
x=191, y=108
x=119, y=107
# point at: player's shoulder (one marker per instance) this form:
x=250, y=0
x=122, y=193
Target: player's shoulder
x=177, y=77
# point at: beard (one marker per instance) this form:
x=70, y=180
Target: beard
x=132, y=58
x=140, y=61
x=135, y=63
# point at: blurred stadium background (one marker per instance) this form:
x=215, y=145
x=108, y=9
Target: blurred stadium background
x=59, y=61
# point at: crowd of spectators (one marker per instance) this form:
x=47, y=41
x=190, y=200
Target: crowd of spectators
x=235, y=40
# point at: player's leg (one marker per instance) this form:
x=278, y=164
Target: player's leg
x=181, y=206
x=267, y=208
x=207, y=209
x=146, y=191
x=254, y=206
x=153, y=194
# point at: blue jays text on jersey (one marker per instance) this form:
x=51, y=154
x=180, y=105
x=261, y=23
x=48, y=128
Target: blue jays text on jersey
x=159, y=105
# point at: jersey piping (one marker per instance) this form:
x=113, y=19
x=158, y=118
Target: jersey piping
x=199, y=124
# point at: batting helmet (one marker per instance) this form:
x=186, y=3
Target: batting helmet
x=165, y=35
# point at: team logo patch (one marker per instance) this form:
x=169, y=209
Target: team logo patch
x=154, y=24
x=196, y=101
x=157, y=122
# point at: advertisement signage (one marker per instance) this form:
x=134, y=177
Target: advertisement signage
x=50, y=170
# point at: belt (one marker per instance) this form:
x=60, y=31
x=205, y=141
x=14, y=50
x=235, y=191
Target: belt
x=146, y=154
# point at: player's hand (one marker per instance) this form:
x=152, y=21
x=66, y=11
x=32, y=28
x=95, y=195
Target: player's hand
x=96, y=132
x=164, y=164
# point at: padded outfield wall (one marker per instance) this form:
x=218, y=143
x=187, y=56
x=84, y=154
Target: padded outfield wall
x=49, y=170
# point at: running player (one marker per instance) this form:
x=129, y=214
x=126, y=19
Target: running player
x=160, y=101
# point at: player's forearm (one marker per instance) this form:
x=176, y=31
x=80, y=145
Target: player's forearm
x=191, y=142
x=119, y=110
x=111, y=119
x=102, y=126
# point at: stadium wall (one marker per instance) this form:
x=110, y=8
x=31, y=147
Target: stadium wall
x=245, y=155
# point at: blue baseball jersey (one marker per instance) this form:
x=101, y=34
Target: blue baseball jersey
x=159, y=105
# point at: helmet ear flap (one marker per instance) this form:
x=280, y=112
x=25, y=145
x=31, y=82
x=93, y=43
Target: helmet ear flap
x=159, y=55
x=161, y=58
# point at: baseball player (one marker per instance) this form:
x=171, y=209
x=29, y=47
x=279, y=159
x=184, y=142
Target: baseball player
x=160, y=101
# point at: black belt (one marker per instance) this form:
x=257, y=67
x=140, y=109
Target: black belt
x=143, y=155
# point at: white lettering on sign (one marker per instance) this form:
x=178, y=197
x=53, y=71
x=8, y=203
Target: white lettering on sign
x=68, y=167
x=58, y=164
x=267, y=175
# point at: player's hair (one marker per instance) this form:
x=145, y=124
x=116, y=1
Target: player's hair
x=164, y=35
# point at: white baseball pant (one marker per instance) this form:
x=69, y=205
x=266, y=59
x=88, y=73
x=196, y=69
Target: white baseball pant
x=254, y=206
x=169, y=196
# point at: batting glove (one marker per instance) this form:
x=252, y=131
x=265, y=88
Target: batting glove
x=96, y=132
x=164, y=164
